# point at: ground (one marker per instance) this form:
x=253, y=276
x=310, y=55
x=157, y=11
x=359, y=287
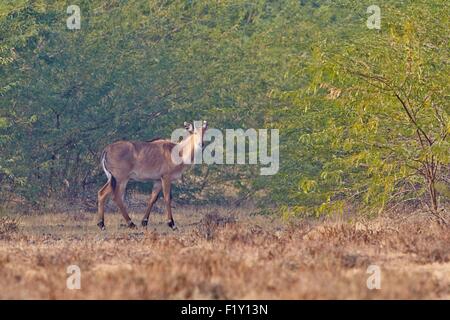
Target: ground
x=222, y=253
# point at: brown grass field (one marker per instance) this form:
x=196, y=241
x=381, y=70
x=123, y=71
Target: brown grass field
x=218, y=253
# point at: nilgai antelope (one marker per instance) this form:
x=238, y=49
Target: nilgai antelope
x=123, y=161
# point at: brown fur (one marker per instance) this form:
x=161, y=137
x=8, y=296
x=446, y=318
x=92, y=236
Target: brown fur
x=143, y=161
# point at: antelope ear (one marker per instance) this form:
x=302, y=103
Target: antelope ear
x=205, y=124
x=188, y=127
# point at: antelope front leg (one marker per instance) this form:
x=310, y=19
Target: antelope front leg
x=166, y=191
x=154, y=196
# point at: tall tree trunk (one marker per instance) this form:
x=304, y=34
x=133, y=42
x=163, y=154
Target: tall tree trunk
x=433, y=195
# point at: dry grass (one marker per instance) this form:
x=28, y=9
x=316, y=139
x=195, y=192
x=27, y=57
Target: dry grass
x=215, y=255
x=8, y=226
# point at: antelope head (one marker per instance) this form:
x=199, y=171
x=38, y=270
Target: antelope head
x=196, y=132
x=193, y=143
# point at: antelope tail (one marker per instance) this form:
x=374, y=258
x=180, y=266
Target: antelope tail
x=110, y=177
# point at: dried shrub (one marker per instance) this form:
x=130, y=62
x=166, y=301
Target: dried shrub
x=8, y=226
x=211, y=222
x=218, y=256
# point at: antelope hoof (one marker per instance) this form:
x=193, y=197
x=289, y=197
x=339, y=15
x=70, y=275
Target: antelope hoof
x=101, y=225
x=144, y=223
x=131, y=225
x=172, y=225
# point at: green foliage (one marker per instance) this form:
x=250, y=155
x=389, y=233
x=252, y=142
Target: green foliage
x=135, y=70
x=138, y=69
x=370, y=124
